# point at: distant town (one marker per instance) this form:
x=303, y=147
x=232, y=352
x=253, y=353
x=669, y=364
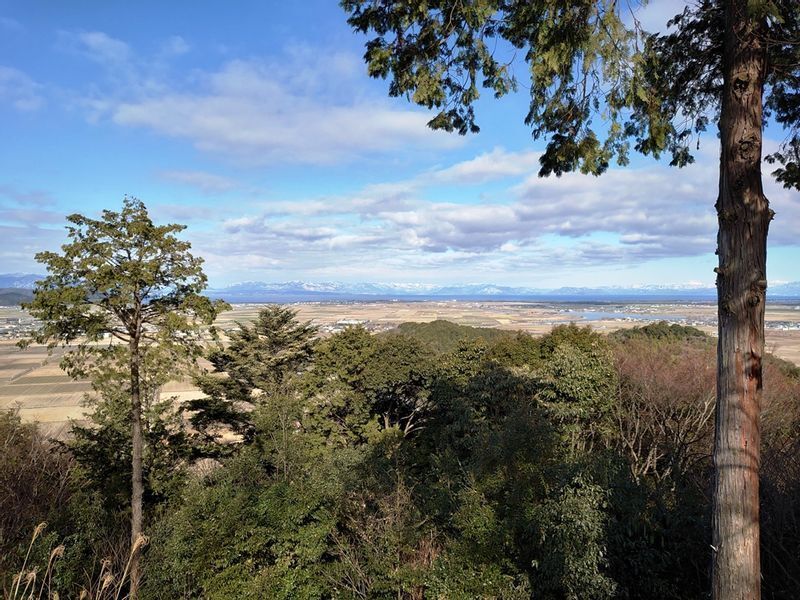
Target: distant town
x=16, y=325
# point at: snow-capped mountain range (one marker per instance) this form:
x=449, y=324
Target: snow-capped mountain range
x=23, y=281
x=254, y=291
x=296, y=291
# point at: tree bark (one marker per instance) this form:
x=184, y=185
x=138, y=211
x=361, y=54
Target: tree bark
x=137, y=485
x=744, y=217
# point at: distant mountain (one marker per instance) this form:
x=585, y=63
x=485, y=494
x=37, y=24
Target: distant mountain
x=14, y=296
x=697, y=292
x=17, y=287
x=302, y=287
x=785, y=289
x=257, y=291
x=298, y=291
x=24, y=281
x=303, y=291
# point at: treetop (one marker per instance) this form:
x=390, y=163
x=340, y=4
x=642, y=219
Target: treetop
x=599, y=84
x=120, y=275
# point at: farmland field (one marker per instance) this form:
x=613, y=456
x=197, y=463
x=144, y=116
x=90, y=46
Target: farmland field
x=32, y=381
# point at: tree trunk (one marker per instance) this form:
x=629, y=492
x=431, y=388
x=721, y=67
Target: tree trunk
x=744, y=217
x=137, y=485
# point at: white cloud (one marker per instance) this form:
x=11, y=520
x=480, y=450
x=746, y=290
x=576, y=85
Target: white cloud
x=490, y=166
x=656, y=210
x=388, y=198
x=185, y=213
x=31, y=217
x=19, y=90
x=24, y=231
x=247, y=113
x=124, y=73
x=785, y=229
x=13, y=194
x=624, y=218
x=29, y=209
x=175, y=46
x=18, y=244
x=97, y=46
x=304, y=106
x=208, y=183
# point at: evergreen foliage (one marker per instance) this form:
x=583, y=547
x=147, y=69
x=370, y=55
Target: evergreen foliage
x=119, y=273
x=123, y=279
x=566, y=466
x=443, y=336
x=599, y=84
x=661, y=331
x=258, y=362
x=102, y=445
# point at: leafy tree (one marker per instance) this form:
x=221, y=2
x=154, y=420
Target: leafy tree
x=572, y=534
x=337, y=407
x=522, y=350
x=123, y=279
x=397, y=382
x=344, y=356
x=444, y=336
x=365, y=384
x=578, y=389
x=246, y=532
x=103, y=447
x=381, y=550
x=256, y=366
x=733, y=62
x=661, y=331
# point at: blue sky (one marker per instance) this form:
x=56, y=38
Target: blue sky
x=258, y=128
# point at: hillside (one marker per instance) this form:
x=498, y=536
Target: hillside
x=443, y=336
x=14, y=296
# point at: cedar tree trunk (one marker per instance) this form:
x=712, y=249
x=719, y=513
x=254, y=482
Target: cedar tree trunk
x=137, y=486
x=744, y=217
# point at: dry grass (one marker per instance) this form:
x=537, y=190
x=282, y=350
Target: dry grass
x=29, y=584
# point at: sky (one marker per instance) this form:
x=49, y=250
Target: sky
x=257, y=127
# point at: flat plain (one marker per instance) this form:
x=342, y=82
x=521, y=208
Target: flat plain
x=32, y=381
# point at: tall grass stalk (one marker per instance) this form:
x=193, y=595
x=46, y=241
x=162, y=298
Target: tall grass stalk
x=18, y=577
x=105, y=587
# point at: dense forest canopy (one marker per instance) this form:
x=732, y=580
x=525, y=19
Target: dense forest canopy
x=574, y=465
